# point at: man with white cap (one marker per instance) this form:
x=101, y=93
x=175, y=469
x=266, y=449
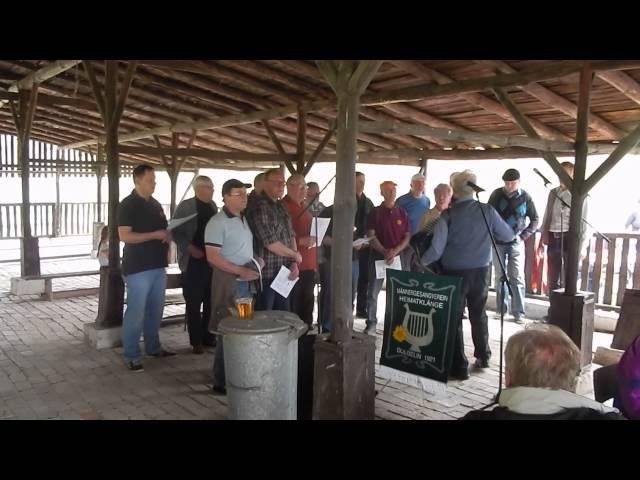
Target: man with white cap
x=462, y=244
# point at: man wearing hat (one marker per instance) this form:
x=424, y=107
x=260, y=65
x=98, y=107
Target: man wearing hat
x=388, y=224
x=514, y=206
x=229, y=249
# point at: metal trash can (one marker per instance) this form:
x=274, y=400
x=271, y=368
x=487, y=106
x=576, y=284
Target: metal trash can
x=261, y=365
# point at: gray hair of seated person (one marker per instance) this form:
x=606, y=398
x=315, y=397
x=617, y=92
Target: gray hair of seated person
x=542, y=356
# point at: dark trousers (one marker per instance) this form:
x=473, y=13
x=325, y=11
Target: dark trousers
x=555, y=254
x=196, y=288
x=363, y=281
x=302, y=296
x=475, y=288
x=269, y=299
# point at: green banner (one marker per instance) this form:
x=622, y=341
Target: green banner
x=419, y=325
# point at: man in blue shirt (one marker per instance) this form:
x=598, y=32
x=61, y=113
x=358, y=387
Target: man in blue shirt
x=462, y=244
x=415, y=202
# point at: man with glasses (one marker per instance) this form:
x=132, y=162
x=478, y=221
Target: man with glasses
x=196, y=272
x=274, y=239
x=302, y=296
x=229, y=247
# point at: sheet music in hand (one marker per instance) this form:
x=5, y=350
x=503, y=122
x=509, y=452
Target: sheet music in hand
x=381, y=266
x=282, y=284
x=323, y=225
x=176, y=222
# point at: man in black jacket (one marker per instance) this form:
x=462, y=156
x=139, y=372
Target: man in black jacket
x=363, y=206
x=542, y=366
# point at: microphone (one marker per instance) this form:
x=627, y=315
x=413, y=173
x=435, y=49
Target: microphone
x=475, y=187
x=544, y=179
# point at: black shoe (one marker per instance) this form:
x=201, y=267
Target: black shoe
x=163, y=353
x=216, y=390
x=361, y=314
x=462, y=374
x=370, y=329
x=481, y=363
x=198, y=349
x=135, y=366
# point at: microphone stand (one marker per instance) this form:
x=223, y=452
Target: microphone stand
x=503, y=282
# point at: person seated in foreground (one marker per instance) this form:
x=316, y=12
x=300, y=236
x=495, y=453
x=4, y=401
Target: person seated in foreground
x=541, y=369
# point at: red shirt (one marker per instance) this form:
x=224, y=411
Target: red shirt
x=390, y=224
x=301, y=226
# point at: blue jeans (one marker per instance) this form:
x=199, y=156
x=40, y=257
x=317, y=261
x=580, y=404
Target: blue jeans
x=145, y=305
x=269, y=299
x=513, y=259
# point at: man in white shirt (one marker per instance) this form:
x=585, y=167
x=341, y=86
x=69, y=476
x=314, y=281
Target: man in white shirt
x=555, y=230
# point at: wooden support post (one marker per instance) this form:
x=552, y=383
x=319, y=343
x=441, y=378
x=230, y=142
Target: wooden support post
x=577, y=193
x=423, y=168
x=56, y=211
x=23, y=117
x=172, y=170
x=571, y=310
x=344, y=366
x=99, y=174
x=111, y=106
x=301, y=140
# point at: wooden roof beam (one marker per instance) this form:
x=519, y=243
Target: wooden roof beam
x=549, y=97
x=402, y=95
x=478, y=99
x=622, y=82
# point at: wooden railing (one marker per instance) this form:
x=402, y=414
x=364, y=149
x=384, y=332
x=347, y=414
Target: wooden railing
x=51, y=220
x=607, y=269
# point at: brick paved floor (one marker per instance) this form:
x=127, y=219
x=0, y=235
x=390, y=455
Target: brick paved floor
x=47, y=371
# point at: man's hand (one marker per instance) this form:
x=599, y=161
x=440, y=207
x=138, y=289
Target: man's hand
x=163, y=235
x=260, y=261
x=307, y=241
x=545, y=238
x=358, y=247
x=195, y=252
x=389, y=255
x=297, y=258
x=295, y=273
x=248, y=274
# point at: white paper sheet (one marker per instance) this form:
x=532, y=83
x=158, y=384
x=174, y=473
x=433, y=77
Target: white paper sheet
x=282, y=284
x=381, y=265
x=176, y=222
x=362, y=241
x=323, y=225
